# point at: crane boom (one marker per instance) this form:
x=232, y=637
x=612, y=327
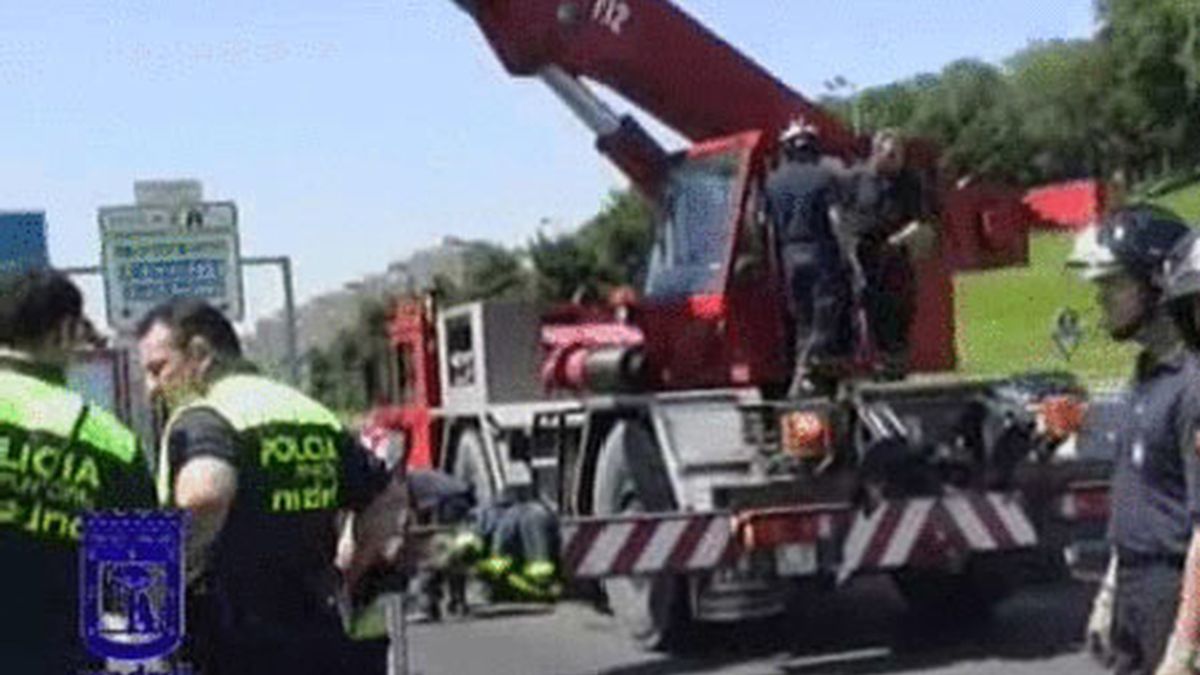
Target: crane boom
x=654, y=55
x=672, y=67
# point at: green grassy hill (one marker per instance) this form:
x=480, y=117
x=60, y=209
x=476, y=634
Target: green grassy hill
x=1185, y=201
x=1005, y=318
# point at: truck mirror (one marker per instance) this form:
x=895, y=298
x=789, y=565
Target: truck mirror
x=1067, y=333
x=518, y=447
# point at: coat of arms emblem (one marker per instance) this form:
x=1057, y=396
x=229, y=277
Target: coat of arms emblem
x=131, y=573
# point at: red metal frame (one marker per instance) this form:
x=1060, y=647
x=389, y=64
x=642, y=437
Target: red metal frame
x=731, y=337
x=412, y=331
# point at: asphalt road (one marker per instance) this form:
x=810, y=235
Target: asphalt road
x=862, y=630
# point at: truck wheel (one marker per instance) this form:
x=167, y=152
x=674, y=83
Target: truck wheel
x=968, y=596
x=654, y=610
x=471, y=467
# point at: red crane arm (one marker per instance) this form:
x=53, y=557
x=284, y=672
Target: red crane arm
x=655, y=55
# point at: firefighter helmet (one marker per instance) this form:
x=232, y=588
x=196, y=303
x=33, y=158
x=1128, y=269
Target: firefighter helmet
x=798, y=134
x=1181, y=276
x=1136, y=240
x=1181, y=285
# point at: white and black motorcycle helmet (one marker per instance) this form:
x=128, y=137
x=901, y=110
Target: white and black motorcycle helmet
x=1181, y=286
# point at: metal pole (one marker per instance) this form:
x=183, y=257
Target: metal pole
x=289, y=309
x=582, y=101
x=79, y=271
x=289, y=316
x=399, y=658
x=399, y=661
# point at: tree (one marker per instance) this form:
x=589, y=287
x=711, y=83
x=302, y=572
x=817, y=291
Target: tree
x=322, y=383
x=1156, y=49
x=620, y=237
x=1069, y=124
x=350, y=374
x=894, y=105
x=494, y=272
x=610, y=249
x=968, y=113
x=565, y=270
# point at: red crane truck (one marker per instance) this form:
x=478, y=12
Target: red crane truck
x=689, y=487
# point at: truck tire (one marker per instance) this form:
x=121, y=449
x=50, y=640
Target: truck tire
x=967, y=597
x=470, y=466
x=653, y=610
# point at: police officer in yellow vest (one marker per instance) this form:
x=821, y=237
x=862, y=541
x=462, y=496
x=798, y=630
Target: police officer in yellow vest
x=263, y=470
x=59, y=456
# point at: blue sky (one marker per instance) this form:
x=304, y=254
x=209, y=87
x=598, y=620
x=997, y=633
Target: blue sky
x=351, y=132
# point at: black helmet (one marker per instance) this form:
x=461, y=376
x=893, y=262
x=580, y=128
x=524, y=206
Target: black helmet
x=800, y=141
x=1134, y=239
x=1181, y=276
x=1181, y=283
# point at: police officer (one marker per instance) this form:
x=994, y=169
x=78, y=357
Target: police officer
x=799, y=195
x=1156, y=469
x=59, y=456
x=263, y=470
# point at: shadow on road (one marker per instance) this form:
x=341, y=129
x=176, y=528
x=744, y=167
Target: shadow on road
x=867, y=629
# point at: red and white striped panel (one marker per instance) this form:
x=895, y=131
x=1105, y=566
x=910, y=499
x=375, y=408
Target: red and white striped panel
x=991, y=522
x=603, y=547
x=900, y=532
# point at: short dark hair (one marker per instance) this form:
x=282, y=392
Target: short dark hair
x=34, y=304
x=188, y=318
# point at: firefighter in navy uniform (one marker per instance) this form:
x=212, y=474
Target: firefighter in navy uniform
x=263, y=471
x=799, y=195
x=59, y=456
x=1157, y=470
x=1182, y=290
x=885, y=208
x=517, y=539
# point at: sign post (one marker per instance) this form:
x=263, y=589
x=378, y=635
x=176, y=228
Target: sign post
x=157, y=251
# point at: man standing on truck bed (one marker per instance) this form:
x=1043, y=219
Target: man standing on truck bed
x=883, y=205
x=800, y=193
x=1157, y=472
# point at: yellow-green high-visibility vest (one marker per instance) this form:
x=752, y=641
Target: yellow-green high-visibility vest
x=289, y=465
x=60, y=457
x=278, y=428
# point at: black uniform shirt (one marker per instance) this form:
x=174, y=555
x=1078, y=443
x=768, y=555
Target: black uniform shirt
x=271, y=572
x=799, y=195
x=885, y=203
x=1156, y=482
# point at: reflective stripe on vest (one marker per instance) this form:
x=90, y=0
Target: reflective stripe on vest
x=41, y=407
x=58, y=457
x=246, y=402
